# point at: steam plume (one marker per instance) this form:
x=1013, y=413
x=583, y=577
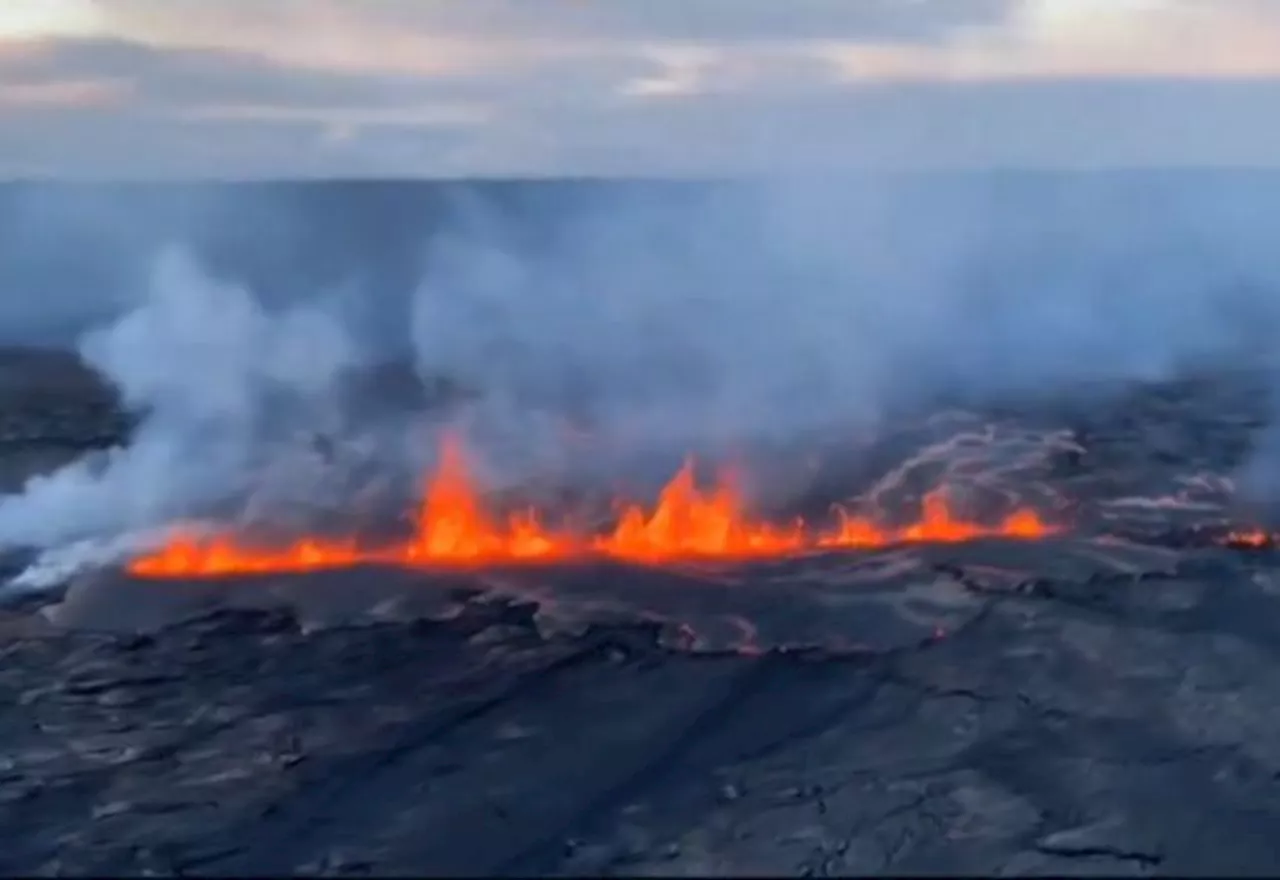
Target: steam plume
x=214, y=374
x=663, y=323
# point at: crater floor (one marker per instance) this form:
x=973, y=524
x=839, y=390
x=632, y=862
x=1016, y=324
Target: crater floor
x=1101, y=703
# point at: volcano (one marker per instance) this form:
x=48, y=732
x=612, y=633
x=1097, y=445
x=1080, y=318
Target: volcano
x=1084, y=676
x=1004, y=624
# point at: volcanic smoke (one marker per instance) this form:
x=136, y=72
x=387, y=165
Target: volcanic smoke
x=452, y=529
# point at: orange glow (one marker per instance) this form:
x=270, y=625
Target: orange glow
x=690, y=523
x=1255, y=539
x=453, y=529
x=937, y=525
x=186, y=556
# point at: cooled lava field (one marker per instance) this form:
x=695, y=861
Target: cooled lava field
x=1097, y=696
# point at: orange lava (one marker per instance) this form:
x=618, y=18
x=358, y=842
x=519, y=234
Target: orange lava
x=453, y=529
x=1254, y=539
x=937, y=525
x=188, y=556
x=688, y=522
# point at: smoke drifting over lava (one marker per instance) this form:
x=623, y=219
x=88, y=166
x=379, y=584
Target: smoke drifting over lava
x=607, y=336
x=452, y=528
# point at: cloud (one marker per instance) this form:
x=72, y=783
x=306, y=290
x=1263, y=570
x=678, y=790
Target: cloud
x=63, y=93
x=105, y=105
x=1111, y=122
x=184, y=79
x=712, y=20
x=123, y=109
x=443, y=87
x=567, y=21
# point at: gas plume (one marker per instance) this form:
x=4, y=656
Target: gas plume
x=599, y=332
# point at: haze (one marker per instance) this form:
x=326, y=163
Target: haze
x=180, y=88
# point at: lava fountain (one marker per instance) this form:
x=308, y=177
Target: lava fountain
x=453, y=529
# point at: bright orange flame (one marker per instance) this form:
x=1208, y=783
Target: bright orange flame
x=688, y=522
x=453, y=529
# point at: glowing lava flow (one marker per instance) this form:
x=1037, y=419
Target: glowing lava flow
x=1254, y=539
x=188, y=556
x=453, y=529
x=690, y=523
x=937, y=525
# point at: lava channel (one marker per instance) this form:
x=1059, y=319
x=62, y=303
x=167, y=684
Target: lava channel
x=452, y=529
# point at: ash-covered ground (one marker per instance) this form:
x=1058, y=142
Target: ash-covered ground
x=1102, y=702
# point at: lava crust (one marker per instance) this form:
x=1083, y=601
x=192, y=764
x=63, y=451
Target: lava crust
x=1102, y=701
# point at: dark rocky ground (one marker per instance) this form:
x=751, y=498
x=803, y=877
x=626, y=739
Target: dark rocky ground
x=1106, y=703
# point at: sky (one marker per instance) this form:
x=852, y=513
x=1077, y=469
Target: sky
x=266, y=88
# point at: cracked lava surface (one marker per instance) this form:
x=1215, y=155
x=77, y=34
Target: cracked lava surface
x=1098, y=701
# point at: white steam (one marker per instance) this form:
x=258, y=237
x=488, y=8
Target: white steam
x=783, y=308
x=670, y=325
x=212, y=371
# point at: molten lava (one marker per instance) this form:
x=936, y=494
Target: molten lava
x=937, y=525
x=453, y=529
x=188, y=556
x=1254, y=539
x=690, y=523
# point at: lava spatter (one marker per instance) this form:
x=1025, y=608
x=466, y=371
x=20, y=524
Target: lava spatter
x=688, y=522
x=937, y=524
x=454, y=529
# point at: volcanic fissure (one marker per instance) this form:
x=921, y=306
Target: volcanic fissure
x=452, y=528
